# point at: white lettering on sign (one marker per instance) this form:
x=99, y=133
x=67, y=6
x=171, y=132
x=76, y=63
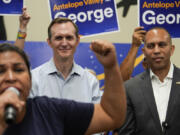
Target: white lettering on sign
x=97, y=14
x=149, y=17
x=7, y=1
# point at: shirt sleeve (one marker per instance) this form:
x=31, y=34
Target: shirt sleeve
x=95, y=87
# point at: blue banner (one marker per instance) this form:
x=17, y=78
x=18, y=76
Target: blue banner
x=91, y=16
x=40, y=52
x=163, y=13
x=8, y=7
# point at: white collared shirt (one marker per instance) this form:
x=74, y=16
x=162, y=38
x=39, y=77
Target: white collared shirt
x=161, y=92
x=80, y=85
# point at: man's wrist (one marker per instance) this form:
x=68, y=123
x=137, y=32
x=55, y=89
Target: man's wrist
x=136, y=45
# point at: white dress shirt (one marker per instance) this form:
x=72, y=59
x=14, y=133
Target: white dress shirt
x=161, y=92
x=80, y=85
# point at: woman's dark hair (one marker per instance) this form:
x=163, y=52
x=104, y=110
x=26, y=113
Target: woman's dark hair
x=5, y=47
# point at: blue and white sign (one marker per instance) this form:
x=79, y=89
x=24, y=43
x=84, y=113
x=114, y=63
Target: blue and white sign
x=163, y=13
x=8, y=7
x=91, y=16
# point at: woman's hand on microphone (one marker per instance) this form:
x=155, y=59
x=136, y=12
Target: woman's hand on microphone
x=9, y=97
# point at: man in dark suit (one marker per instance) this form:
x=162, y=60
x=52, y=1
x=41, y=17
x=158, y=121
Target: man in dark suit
x=153, y=97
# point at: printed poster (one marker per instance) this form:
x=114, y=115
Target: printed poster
x=163, y=13
x=11, y=7
x=91, y=16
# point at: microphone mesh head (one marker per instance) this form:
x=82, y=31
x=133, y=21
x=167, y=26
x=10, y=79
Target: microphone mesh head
x=10, y=111
x=14, y=90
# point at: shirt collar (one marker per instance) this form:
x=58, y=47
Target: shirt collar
x=169, y=75
x=51, y=68
x=76, y=69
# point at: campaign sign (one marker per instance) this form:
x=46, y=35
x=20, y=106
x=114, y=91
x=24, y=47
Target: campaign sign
x=11, y=7
x=91, y=16
x=163, y=13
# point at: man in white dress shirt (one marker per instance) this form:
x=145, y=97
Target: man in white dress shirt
x=153, y=96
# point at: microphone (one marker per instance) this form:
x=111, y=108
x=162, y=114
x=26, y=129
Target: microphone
x=10, y=111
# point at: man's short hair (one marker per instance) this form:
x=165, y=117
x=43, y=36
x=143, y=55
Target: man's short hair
x=160, y=28
x=60, y=21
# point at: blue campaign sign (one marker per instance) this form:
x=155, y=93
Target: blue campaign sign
x=163, y=13
x=11, y=6
x=91, y=16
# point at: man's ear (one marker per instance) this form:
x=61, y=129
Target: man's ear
x=49, y=42
x=172, y=49
x=78, y=40
x=143, y=49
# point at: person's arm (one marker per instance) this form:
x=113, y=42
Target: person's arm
x=129, y=126
x=24, y=20
x=127, y=65
x=111, y=111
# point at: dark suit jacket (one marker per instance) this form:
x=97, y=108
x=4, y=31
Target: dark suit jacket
x=142, y=115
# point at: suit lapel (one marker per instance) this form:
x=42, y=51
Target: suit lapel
x=174, y=94
x=147, y=91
